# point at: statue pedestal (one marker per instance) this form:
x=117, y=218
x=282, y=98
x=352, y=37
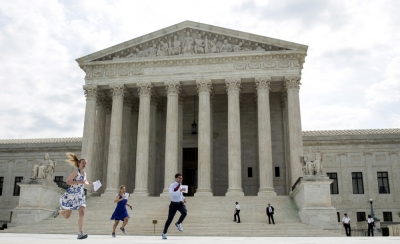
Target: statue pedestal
x=37, y=201
x=313, y=199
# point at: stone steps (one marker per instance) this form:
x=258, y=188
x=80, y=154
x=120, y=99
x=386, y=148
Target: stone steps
x=207, y=216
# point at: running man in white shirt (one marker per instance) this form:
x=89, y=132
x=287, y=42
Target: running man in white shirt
x=237, y=211
x=177, y=204
x=346, y=224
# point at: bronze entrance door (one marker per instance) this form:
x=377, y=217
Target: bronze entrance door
x=189, y=167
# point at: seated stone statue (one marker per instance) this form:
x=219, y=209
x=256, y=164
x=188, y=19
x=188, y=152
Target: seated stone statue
x=213, y=46
x=45, y=169
x=187, y=45
x=153, y=50
x=162, y=49
x=199, y=44
x=226, y=47
x=175, y=46
x=36, y=165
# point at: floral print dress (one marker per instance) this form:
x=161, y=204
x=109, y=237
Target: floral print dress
x=74, y=197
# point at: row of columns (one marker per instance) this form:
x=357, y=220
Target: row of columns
x=95, y=135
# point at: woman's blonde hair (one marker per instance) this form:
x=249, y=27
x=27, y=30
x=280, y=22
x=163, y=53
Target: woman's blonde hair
x=73, y=159
x=120, y=187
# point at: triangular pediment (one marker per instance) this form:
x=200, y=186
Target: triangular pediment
x=190, y=38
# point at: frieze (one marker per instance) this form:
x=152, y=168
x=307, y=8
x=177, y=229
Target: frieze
x=111, y=72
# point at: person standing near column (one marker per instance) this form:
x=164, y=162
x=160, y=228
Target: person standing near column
x=237, y=211
x=371, y=225
x=346, y=224
x=74, y=198
x=270, y=213
x=177, y=204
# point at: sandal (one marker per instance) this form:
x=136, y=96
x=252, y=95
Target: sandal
x=55, y=214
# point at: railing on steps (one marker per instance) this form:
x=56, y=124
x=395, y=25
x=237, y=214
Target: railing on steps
x=297, y=182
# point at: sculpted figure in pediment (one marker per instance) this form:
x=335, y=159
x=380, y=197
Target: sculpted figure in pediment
x=162, y=49
x=213, y=45
x=199, y=44
x=152, y=51
x=139, y=53
x=226, y=47
x=258, y=48
x=116, y=57
x=187, y=45
x=175, y=46
x=238, y=47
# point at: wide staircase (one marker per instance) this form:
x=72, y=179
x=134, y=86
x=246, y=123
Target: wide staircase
x=207, y=216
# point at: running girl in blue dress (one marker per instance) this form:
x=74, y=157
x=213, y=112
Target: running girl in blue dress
x=120, y=213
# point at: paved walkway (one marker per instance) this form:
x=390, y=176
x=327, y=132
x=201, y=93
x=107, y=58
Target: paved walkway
x=9, y=238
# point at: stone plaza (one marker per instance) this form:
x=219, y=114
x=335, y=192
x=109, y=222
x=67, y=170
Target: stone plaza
x=222, y=107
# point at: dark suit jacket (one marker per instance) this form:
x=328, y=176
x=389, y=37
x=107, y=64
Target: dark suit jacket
x=268, y=213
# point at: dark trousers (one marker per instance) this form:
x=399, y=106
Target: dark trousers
x=348, y=229
x=173, y=207
x=271, y=216
x=371, y=229
x=236, y=214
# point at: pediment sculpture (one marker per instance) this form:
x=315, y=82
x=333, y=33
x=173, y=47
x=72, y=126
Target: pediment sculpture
x=312, y=163
x=44, y=170
x=189, y=42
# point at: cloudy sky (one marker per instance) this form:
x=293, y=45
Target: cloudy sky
x=351, y=78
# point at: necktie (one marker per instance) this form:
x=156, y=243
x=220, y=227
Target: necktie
x=177, y=187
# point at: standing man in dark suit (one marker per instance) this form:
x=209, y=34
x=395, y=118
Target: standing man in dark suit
x=270, y=213
x=237, y=211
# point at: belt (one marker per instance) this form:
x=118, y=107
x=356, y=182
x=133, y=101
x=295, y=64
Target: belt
x=176, y=202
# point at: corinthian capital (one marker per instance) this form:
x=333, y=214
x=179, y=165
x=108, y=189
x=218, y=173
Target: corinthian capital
x=233, y=84
x=263, y=83
x=154, y=99
x=204, y=86
x=172, y=87
x=292, y=82
x=144, y=89
x=117, y=90
x=90, y=91
x=128, y=98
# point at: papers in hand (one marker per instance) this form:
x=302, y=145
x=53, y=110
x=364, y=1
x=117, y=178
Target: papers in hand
x=126, y=195
x=186, y=188
x=96, y=185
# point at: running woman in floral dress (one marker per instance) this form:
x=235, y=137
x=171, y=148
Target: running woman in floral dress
x=74, y=198
x=120, y=212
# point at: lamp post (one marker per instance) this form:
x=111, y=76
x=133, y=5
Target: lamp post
x=372, y=209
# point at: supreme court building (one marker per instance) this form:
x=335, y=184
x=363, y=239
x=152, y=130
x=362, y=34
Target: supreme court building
x=145, y=97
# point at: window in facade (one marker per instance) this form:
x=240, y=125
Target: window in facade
x=277, y=172
x=334, y=185
x=17, y=188
x=361, y=217
x=358, y=187
x=383, y=183
x=338, y=216
x=249, y=172
x=387, y=216
x=1, y=185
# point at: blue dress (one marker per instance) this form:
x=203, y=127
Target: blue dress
x=74, y=197
x=120, y=212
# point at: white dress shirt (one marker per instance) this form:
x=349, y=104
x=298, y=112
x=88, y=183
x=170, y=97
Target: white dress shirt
x=176, y=196
x=270, y=209
x=370, y=220
x=237, y=207
x=346, y=220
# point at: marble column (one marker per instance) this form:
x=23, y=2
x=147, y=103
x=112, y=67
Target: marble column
x=159, y=180
x=133, y=143
x=204, y=88
x=292, y=85
x=346, y=179
x=153, y=140
x=233, y=86
x=264, y=137
x=371, y=177
x=171, y=139
x=89, y=130
x=286, y=142
x=125, y=140
x=107, y=105
x=395, y=175
x=99, y=137
x=182, y=99
x=114, y=150
x=143, y=140
x=212, y=140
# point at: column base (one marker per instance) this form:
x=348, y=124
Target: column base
x=203, y=193
x=235, y=192
x=266, y=191
x=140, y=192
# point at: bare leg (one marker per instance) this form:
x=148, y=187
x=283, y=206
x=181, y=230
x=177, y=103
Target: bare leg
x=65, y=213
x=116, y=222
x=125, y=222
x=81, y=211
